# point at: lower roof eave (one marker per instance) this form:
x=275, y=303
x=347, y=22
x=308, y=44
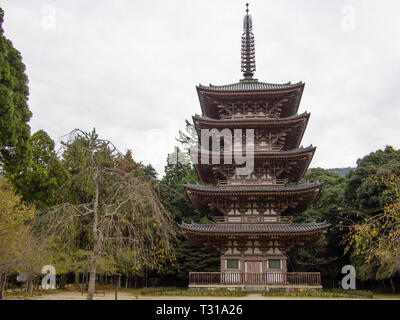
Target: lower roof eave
x=254, y=234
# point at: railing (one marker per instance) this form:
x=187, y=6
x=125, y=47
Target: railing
x=241, y=149
x=260, y=219
x=268, y=278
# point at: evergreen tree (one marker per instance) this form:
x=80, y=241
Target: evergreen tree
x=44, y=174
x=14, y=111
x=325, y=255
x=189, y=258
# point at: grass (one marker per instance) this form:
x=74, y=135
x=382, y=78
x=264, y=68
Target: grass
x=332, y=293
x=176, y=291
x=179, y=291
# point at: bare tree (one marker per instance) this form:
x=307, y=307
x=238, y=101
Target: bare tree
x=115, y=208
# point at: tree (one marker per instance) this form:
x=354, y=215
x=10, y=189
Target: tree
x=174, y=197
x=14, y=111
x=44, y=174
x=325, y=255
x=16, y=238
x=376, y=239
x=173, y=192
x=115, y=209
x=365, y=186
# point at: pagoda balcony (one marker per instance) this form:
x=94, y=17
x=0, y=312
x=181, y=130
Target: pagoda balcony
x=253, y=182
x=289, y=279
x=253, y=219
x=257, y=147
x=251, y=115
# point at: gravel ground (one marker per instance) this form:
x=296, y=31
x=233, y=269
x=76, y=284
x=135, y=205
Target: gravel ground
x=72, y=295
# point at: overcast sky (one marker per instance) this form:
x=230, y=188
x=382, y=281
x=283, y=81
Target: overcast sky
x=129, y=68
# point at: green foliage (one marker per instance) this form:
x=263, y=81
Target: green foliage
x=108, y=217
x=325, y=255
x=190, y=258
x=173, y=192
x=341, y=171
x=365, y=187
x=173, y=195
x=369, y=217
x=14, y=111
x=14, y=221
x=44, y=175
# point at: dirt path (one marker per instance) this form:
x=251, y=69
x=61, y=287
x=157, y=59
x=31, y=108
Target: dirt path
x=75, y=295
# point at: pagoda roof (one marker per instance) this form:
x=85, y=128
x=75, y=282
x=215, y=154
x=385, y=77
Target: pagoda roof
x=211, y=96
x=293, y=235
x=303, y=156
x=255, y=227
x=298, y=196
x=250, y=85
x=297, y=123
x=254, y=189
x=255, y=122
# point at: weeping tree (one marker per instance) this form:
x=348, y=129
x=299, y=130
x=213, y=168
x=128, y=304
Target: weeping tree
x=108, y=208
x=374, y=240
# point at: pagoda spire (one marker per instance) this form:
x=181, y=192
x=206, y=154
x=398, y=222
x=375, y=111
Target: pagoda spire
x=248, y=50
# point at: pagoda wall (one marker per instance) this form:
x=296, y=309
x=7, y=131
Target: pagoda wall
x=250, y=252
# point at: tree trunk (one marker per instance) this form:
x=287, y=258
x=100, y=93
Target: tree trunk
x=27, y=285
x=92, y=277
x=393, y=288
x=76, y=278
x=63, y=280
x=3, y=277
x=31, y=287
x=126, y=281
x=96, y=243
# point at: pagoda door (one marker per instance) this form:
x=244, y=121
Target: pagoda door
x=253, y=272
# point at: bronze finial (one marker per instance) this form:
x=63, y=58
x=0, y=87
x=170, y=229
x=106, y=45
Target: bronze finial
x=248, y=47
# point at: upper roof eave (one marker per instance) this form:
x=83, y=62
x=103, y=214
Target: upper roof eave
x=250, y=86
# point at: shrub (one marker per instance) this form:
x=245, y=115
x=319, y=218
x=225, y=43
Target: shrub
x=174, y=291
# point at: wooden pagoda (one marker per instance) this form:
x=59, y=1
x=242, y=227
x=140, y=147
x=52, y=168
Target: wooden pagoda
x=253, y=228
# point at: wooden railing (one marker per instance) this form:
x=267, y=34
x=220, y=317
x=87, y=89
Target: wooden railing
x=261, y=218
x=253, y=181
x=279, y=278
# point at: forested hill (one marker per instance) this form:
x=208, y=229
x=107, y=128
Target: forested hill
x=341, y=171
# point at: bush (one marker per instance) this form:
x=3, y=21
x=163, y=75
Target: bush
x=355, y=293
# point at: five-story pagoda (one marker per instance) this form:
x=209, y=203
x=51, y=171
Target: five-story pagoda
x=252, y=212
